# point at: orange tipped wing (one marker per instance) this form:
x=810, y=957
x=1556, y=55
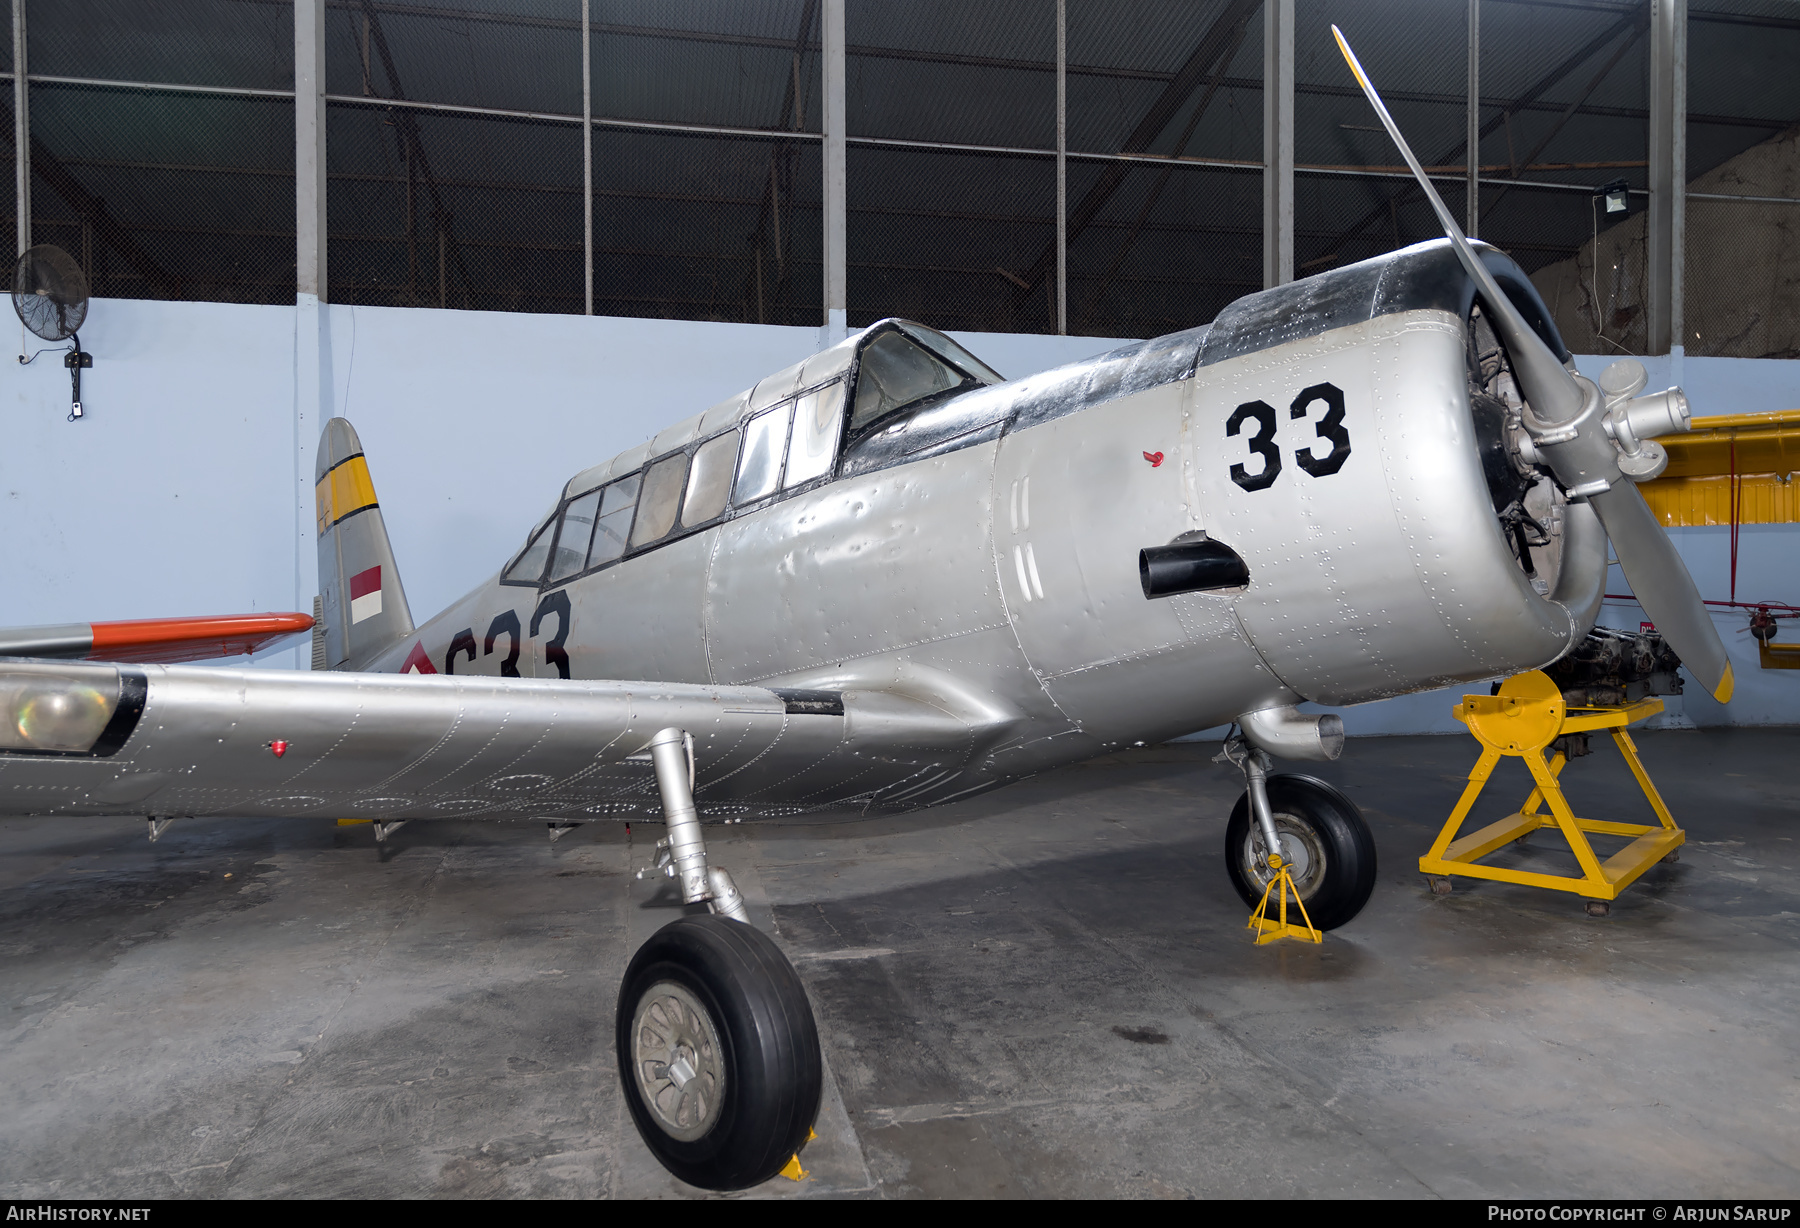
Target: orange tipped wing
x=155, y=640
x=165, y=640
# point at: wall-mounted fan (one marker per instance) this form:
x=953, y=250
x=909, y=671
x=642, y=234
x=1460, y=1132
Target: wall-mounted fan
x=51, y=296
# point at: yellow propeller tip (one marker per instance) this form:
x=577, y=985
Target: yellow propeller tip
x=1349, y=57
x=1722, y=692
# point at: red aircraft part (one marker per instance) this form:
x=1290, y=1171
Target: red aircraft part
x=166, y=640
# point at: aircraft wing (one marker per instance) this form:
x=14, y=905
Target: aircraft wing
x=154, y=639
x=88, y=739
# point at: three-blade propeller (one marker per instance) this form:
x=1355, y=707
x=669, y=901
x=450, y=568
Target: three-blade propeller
x=1567, y=424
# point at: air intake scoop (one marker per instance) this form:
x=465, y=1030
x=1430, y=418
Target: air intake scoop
x=1195, y=566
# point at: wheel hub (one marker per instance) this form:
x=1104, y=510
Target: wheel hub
x=678, y=1061
x=1301, y=851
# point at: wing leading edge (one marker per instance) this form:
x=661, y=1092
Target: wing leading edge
x=82, y=739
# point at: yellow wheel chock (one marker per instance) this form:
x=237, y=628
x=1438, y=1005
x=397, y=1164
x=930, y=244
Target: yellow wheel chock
x=1273, y=929
x=792, y=1170
x=1522, y=720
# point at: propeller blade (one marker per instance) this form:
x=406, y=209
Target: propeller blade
x=1658, y=576
x=1663, y=587
x=1547, y=384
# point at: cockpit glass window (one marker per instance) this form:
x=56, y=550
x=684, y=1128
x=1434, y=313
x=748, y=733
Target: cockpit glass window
x=813, y=447
x=530, y=563
x=710, y=481
x=660, y=500
x=759, y=468
x=571, y=551
x=935, y=341
x=617, y=503
x=895, y=372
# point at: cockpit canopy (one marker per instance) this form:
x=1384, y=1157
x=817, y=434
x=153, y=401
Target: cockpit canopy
x=899, y=366
x=788, y=433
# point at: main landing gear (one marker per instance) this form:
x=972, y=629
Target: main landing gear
x=1323, y=847
x=718, y=1051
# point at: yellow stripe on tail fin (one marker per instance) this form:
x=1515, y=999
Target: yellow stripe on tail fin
x=343, y=491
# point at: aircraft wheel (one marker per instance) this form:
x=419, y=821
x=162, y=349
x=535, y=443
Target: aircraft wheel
x=718, y=1052
x=1324, y=841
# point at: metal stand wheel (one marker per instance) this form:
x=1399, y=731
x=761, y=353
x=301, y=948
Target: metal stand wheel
x=718, y=1052
x=1326, y=848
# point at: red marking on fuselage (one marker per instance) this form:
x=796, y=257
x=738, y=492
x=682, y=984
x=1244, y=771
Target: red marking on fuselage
x=278, y=748
x=1155, y=459
x=416, y=660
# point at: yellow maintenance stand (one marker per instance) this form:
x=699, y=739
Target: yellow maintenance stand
x=1522, y=720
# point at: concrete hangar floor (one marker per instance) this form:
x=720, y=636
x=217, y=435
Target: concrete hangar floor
x=1045, y=992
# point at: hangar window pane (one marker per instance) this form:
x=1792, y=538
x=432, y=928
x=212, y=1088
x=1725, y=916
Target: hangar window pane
x=896, y=372
x=661, y=499
x=817, y=417
x=759, y=471
x=570, y=555
x=617, y=504
x=710, y=481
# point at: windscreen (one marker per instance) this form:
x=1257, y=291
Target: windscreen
x=896, y=372
x=937, y=342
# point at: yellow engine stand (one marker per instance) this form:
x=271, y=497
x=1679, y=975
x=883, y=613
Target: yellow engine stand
x=1523, y=719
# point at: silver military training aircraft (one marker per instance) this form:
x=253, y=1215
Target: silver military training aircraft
x=887, y=578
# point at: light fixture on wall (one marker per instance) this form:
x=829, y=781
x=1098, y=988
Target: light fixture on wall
x=51, y=296
x=1614, y=198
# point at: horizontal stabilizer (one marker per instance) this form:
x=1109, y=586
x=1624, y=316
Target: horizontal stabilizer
x=154, y=640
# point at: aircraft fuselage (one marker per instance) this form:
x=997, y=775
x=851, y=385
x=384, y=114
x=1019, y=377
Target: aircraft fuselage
x=974, y=565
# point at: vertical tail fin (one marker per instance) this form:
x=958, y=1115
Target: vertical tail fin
x=363, y=607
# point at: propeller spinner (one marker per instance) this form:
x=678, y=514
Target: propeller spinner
x=1596, y=442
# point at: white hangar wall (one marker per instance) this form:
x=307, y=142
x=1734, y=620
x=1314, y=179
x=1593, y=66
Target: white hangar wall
x=187, y=489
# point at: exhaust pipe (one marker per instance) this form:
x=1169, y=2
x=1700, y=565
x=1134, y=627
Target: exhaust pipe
x=1195, y=565
x=1286, y=734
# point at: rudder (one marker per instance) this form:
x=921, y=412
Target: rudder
x=362, y=606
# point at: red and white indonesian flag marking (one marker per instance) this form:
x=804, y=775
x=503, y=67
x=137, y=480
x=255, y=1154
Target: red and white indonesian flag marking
x=365, y=594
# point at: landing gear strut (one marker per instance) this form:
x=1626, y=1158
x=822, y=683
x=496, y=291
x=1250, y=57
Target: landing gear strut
x=717, y=1047
x=1318, y=833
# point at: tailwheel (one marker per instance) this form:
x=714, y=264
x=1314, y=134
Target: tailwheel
x=1327, y=847
x=718, y=1052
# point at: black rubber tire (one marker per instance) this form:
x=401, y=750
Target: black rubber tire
x=769, y=1042
x=1342, y=835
